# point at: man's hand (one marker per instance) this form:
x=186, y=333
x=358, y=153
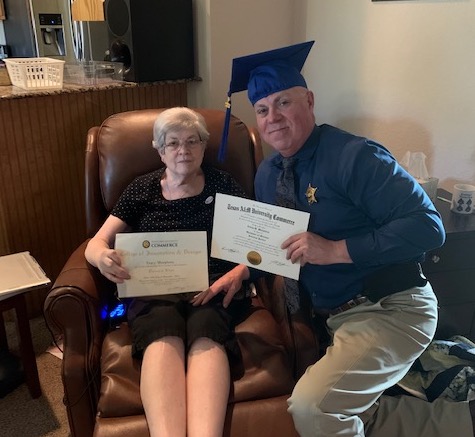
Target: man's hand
x=313, y=249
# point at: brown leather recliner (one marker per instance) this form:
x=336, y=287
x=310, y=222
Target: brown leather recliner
x=100, y=378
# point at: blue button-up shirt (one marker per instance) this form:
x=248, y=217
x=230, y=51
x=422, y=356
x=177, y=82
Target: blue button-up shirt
x=362, y=196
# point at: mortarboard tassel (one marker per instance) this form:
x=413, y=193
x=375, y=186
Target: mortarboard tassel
x=224, y=138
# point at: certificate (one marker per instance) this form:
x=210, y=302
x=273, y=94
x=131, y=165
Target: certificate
x=20, y=272
x=251, y=232
x=163, y=262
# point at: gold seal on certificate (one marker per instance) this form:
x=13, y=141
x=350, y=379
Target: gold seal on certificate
x=249, y=232
x=254, y=258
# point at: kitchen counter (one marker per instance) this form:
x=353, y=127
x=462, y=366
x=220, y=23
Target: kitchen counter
x=13, y=92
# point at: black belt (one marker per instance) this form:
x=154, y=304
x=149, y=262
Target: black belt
x=384, y=282
x=357, y=300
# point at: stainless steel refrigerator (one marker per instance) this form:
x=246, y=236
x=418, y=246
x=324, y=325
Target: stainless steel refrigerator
x=45, y=28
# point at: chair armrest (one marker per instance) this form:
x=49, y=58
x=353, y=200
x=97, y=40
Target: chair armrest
x=72, y=310
x=302, y=337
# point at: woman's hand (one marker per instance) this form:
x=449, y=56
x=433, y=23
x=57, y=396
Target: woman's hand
x=109, y=264
x=307, y=247
x=99, y=253
x=230, y=284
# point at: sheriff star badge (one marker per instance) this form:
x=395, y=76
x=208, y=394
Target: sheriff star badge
x=310, y=194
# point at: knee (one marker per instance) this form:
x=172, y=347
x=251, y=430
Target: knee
x=168, y=342
x=298, y=405
x=311, y=417
x=204, y=344
x=304, y=404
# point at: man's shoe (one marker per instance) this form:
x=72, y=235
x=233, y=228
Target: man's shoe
x=471, y=405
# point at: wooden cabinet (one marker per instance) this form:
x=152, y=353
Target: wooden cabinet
x=42, y=149
x=87, y=10
x=451, y=271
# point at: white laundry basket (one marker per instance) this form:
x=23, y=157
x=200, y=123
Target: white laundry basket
x=35, y=73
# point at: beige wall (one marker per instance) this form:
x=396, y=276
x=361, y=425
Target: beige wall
x=401, y=72
x=226, y=29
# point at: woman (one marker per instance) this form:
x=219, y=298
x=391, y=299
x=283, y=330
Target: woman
x=183, y=340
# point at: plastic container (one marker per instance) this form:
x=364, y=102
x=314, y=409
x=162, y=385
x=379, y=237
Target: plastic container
x=93, y=72
x=35, y=73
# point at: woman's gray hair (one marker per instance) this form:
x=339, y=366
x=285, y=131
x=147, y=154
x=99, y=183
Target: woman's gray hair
x=175, y=119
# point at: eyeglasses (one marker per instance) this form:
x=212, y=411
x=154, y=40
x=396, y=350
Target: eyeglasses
x=190, y=143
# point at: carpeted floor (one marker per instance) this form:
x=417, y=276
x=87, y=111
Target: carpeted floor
x=22, y=416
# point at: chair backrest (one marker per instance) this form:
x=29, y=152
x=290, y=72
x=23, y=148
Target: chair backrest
x=121, y=149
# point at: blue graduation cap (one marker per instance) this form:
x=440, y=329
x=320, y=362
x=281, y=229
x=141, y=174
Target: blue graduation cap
x=263, y=74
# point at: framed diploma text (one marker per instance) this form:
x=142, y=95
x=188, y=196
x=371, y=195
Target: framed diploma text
x=163, y=263
x=251, y=232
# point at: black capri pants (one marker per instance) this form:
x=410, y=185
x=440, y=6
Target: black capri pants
x=173, y=315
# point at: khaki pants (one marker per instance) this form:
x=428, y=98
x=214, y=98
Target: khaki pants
x=374, y=345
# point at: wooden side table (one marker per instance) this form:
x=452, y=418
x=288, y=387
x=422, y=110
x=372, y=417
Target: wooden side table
x=20, y=273
x=27, y=353
x=451, y=271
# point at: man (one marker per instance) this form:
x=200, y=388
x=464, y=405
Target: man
x=370, y=226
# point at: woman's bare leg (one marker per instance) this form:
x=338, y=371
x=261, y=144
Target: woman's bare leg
x=207, y=388
x=163, y=387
